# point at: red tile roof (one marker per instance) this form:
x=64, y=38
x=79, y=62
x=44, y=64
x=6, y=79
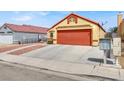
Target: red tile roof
x=26, y=28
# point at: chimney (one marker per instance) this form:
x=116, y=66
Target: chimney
x=119, y=21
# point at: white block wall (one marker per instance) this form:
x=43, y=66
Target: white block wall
x=6, y=39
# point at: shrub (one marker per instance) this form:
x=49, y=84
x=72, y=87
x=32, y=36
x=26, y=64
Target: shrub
x=49, y=41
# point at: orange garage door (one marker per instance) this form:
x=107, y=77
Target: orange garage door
x=74, y=37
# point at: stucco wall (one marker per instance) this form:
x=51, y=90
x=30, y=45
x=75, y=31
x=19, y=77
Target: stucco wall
x=27, y=37
x=6, y=39
x=96, y=31
x=122, y=30
x=24, y=37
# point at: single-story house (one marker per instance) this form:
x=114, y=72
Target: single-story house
x=76, y=30
x=12, y=33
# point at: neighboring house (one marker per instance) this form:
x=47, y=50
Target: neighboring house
x=11, y=33
x=76, y=30
x=120, y=23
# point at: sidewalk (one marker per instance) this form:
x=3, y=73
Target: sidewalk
x=20, y=48
x=66, y=67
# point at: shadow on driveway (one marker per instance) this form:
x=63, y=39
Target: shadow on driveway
x=99, y=60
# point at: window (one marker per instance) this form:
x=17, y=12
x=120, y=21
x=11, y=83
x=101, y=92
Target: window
x=9, y=32
x=1, y=32
x=72, y=19
x=51, y=34
x=5, y=27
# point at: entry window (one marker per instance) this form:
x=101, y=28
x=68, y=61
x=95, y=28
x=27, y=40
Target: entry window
x=51, y=34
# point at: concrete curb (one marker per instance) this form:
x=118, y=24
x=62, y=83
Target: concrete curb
x=73, y=77
x=71, y=68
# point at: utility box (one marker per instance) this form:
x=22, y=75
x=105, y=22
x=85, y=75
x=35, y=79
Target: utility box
x=105, y=44
x=117, y=46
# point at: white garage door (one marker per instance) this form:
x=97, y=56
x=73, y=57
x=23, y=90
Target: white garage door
x=6, y=39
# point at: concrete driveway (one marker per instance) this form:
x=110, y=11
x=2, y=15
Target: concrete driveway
x=69, y=53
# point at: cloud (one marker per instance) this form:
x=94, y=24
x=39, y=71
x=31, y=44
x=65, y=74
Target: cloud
x=23, y=18
x=65, y=12
x=44, y=13
x=16, y=12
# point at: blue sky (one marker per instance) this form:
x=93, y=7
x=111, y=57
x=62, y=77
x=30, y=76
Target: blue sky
x=49, y=18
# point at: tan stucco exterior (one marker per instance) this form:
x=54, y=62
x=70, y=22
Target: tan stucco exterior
x=97, y=31
x=120, y=23
x=121, y=30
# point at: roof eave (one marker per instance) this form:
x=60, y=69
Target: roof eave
x=79, y=17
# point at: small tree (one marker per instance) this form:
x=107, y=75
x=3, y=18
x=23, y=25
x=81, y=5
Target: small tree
x=108, y=35
x=111, y=31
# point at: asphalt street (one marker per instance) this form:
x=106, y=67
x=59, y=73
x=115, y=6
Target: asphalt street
x=17, y=72
x=14, y=73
